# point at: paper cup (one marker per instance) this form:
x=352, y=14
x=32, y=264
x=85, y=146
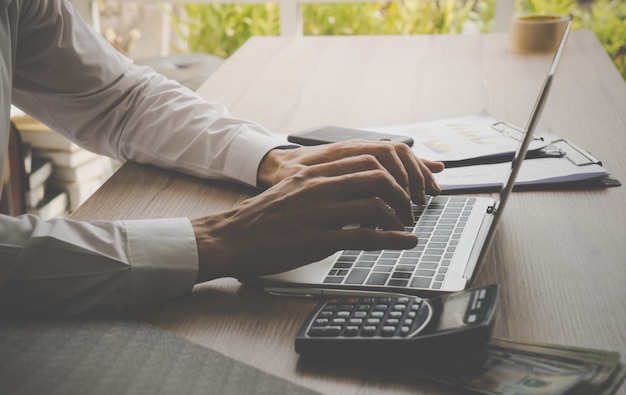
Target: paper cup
x=536, y=33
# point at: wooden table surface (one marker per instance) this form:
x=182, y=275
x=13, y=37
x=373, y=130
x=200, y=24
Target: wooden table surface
x=559, y=255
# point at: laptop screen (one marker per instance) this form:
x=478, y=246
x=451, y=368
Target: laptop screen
x=529, y=130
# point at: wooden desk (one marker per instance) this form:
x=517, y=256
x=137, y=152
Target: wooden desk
x=560, y=256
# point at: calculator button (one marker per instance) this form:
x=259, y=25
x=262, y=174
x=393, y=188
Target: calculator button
x=388, y=330
x=333, y=330
x=316, y=331
x=325, y=331
x=368, y=330
x=351, y=330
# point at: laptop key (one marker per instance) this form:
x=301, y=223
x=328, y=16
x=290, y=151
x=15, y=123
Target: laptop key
x=398, y=283
x=428, y=265
x=346, y=258
x=425, y=273
x=405, y=268
x=342, y=265
x=378, y=279
x=389, y=262
x=333, y=280
x=420, y=282
x=357, y=276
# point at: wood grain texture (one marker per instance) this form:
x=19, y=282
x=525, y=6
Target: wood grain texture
x=559, y=256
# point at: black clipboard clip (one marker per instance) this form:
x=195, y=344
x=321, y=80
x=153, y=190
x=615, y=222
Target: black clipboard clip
x=574, y=153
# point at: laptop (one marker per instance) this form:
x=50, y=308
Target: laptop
x=454, y=233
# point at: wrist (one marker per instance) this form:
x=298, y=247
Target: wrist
x=213, y=257
x=268, y=173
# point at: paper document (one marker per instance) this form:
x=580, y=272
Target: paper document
x=473, y=137
x=478, y=150
x=533, y=172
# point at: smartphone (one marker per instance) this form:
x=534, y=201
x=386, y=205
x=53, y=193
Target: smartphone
x=398, y=325
x=332, y=134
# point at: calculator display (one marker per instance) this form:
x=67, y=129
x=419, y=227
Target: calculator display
x=453, y=312
x=463, y=309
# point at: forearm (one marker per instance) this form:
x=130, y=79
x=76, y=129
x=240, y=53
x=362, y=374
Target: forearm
x=171, y=127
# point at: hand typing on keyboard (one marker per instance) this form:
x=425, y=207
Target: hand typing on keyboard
x=303, y=218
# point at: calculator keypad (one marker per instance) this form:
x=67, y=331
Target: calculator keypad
x=370, y=317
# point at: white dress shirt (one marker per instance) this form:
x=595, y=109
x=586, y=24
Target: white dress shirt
x=57, y=69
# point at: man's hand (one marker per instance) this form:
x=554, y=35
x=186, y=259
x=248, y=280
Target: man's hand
x=413, y=174
x=303, y=219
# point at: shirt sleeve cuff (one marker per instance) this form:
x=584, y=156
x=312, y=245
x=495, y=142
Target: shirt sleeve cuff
x=163, y=256
x=246, y=152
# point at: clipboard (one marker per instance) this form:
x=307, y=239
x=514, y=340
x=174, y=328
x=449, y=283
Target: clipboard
x=553, y=161
x=556, y=147
x=574, y=153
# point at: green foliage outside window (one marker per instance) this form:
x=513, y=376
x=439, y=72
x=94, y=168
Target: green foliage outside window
x=564, y=7
x=607, y=19
x=398, y=17
x=222, y=28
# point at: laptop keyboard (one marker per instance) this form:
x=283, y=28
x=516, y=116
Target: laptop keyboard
x=438, y=225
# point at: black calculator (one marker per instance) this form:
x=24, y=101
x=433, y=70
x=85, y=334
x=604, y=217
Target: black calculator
x=399, y=324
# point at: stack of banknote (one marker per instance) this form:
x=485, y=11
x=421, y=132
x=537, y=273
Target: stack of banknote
x=505, y=366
